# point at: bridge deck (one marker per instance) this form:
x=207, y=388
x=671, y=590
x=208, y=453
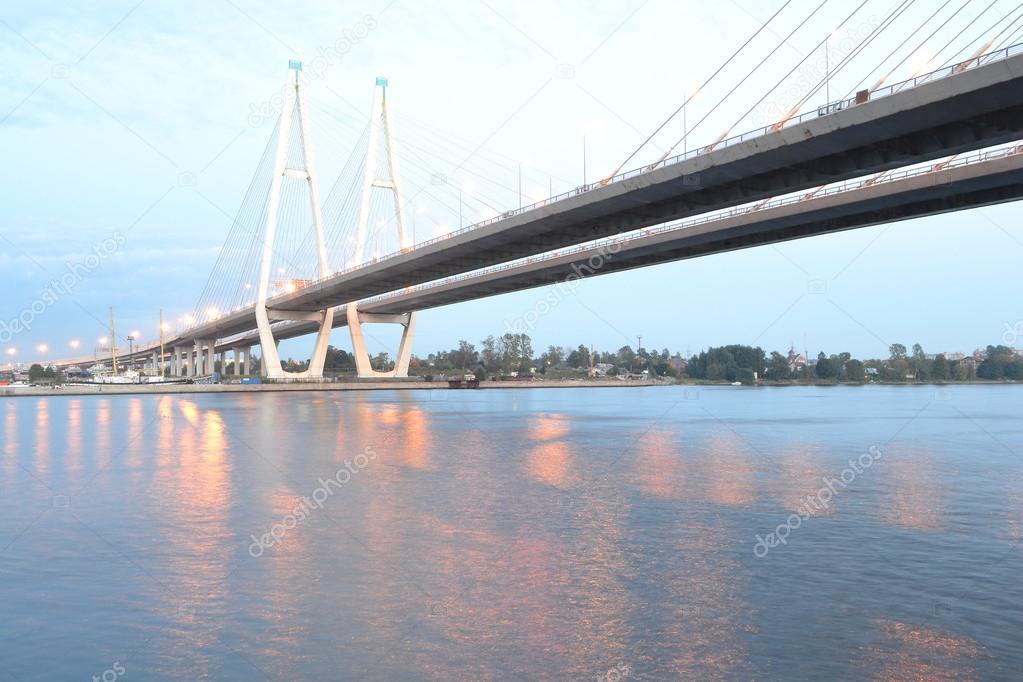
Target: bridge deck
x=966, y=111
x=969, y=184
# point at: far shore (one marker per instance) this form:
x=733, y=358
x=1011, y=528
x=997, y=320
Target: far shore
x=421, y=385
x=392, y=385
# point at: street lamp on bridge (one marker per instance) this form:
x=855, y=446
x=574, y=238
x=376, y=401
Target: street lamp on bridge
x=131, y=348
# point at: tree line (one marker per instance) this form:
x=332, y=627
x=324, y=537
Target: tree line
x=514, y=353
x=749, y=363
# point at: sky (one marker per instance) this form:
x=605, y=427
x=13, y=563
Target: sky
x=131, y=131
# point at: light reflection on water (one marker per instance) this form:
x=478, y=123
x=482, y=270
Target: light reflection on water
x=544, y=534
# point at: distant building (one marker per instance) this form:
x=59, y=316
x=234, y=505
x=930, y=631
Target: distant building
x=678, y=362
x=796, y=360
x=955, y=357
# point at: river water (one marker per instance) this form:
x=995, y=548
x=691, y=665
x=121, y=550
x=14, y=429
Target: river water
x=626, y=533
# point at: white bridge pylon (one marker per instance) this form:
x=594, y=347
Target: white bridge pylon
x=293, y=97
x=380, y=124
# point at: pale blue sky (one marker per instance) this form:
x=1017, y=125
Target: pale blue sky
x=107, y=112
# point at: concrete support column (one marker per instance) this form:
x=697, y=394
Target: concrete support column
x=247, y=358
x=364, y=369
x=237, y=355
x=196, y=365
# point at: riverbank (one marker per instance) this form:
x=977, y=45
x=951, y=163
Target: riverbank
x=395, y=385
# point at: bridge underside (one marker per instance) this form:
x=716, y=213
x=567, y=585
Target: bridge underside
x=955, y=189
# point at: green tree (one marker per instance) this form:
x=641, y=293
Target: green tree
x=826, y=367
x=580, y=357
x=897, y=351
x=778, y=368
x=36, y=372
x=466, y=355
x=489, y=354
x=997, y=360
x=724, y=362
x=940, y=370
x=625, y=358
x=855, y=371
x=337, y=360
x=554, y=356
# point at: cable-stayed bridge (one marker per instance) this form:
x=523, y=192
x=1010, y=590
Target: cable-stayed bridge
x=295, y=265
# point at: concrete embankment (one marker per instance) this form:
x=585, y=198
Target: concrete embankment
x=403, y=385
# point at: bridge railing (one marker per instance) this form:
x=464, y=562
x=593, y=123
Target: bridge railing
x=838, y=188
x=824, y=110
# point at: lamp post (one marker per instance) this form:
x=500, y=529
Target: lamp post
x=131, y=348
x=584, y=159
